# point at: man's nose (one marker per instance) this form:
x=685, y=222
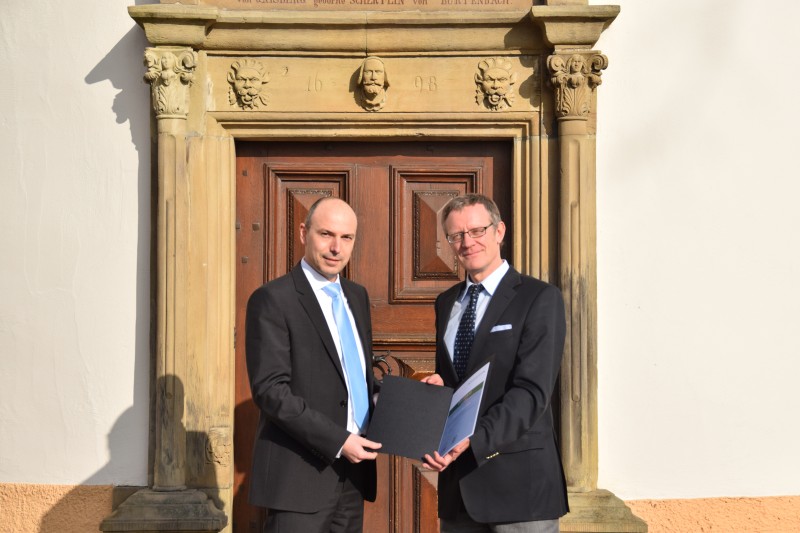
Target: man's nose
x=465, y=237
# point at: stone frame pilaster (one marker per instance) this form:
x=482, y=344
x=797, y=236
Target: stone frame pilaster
x=575, y=72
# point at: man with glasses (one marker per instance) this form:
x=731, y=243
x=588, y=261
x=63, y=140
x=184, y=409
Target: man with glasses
x=508, y=476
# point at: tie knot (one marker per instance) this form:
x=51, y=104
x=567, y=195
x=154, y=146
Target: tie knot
x=475, y=289
x=332, y=289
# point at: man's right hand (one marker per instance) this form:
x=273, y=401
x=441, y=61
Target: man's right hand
x=357, y=449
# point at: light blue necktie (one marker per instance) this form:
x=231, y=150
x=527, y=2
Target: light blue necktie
x=356, y=381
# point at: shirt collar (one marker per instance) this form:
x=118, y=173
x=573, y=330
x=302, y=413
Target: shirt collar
x=317, y=280
x=491, y=282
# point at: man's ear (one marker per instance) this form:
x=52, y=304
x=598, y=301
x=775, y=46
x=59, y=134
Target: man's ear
x=303, y=232
x=500, y=231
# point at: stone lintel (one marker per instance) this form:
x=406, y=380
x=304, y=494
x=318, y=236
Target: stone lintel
x=352, y=32
x=599, y=511
x=148, y=511
x=573, y=26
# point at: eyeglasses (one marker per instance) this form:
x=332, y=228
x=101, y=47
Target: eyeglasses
x=475, y=233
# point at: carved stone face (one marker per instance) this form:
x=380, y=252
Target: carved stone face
x=575, y=64
x=248, y=84
x=495, y=84
x=372, y=84
x=373, y=77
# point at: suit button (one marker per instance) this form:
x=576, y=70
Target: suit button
x=343, y=403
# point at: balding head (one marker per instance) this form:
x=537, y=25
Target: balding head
x=329, y=234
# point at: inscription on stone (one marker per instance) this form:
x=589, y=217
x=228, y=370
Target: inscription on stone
x=374, y=5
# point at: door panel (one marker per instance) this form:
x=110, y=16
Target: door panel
x=401, y=256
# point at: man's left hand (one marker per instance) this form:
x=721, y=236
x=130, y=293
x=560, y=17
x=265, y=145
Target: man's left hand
x=440, y=462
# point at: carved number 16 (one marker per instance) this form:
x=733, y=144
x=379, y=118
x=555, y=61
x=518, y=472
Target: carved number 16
x=314, y=84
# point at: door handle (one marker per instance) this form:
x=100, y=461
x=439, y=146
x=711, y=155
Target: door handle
x=379, y=360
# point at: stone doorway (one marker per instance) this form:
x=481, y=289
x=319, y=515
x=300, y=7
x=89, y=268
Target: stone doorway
x=223, y=71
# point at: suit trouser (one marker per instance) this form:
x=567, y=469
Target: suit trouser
x=343, y=513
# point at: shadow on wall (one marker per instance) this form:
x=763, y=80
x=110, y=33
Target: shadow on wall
x=83, y=508
x=123, y=66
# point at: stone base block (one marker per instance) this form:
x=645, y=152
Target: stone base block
x=600, y=511
x=149, y=511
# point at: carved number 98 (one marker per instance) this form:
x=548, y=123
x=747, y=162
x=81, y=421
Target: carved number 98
x=425, y=84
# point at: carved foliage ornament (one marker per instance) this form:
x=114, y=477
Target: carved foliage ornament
x=373, y=81
x=247, y=78
x=494, y=84
x=575, y=79
x=170, y=74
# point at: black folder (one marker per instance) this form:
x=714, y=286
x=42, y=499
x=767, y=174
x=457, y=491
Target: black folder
x=410, y=416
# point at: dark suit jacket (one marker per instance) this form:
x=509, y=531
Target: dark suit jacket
x=297, y=382
x=512, y=471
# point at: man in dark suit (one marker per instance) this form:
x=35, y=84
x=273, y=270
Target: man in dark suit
x=508, y=476
x=308, y=342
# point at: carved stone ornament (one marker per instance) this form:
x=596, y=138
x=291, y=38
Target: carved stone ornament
x=494, y=84
x=247, y=78
x=170, y=73
x=574, y=80
x=219, y=446
x=373, y=83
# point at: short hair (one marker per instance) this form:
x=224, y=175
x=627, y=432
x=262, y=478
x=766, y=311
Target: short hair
x=466, y=200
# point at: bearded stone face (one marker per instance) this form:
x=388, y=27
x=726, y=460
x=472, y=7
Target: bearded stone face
x=247, y=84
x=495, y=85
x=373, y=77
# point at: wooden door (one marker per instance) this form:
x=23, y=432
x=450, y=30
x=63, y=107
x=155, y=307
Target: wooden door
x=401, y=256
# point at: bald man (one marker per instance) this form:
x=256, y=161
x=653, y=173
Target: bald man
x=308, y=345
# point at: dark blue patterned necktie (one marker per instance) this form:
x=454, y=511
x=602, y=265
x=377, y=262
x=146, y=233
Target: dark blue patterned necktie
x=466, y=332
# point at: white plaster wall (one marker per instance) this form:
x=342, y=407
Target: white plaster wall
x=698, y=255
x=698, y=250
x=74, y=244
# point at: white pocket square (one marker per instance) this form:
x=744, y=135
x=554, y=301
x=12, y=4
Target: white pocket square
x=500, y=327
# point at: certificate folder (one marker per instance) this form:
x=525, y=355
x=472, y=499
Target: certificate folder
x=412, y=418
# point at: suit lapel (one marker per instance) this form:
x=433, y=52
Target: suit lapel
x=448, y=299
x=310, y=303
x=502, y=297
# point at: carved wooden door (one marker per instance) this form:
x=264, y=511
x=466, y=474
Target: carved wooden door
x=401, y=256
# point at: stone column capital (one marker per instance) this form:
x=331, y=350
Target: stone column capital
x=170, y=73
x=574, y=77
